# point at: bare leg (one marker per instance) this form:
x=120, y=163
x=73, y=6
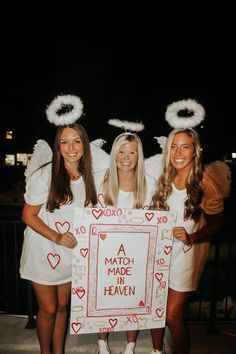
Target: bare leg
x=176, y=306
x=131, y=336
x=157, y=338
x=58, y=340
x=47, y=303
x=103, y=336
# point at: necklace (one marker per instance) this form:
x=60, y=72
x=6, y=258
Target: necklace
x=73, y=176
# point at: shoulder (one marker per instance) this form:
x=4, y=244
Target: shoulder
x=37, y=187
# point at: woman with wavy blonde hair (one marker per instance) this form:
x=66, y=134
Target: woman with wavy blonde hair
x=186, y=189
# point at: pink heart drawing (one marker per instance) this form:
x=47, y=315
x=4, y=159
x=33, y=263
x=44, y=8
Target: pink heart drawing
x=159, y=276
x=102, y=236
x=113, y=322
x=53, y=259
x=84, y=252
x=101, y=201
x=159, y=312
x=97, y=213
x=149, y=215
x=80, y=292
x=167, y=249
x=76, y=326
x=62, y=227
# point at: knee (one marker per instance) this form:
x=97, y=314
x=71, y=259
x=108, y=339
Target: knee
x=48, y=311
x=61, y=308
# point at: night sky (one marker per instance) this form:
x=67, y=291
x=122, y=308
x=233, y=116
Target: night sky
x=126, y=80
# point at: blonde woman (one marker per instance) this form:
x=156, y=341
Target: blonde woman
x=185, y=188
x=125, y=185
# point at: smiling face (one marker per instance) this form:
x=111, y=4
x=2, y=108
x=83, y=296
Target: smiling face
x=127, y=156
x=182, y=152
x=71, y=147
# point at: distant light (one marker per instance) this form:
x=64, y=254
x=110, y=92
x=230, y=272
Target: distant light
x=9, y=160
x=21, y=159
x=233, y=155
x=201, y=126
x=9, y=134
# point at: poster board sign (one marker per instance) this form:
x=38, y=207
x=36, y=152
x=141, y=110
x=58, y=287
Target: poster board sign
x=120, y=269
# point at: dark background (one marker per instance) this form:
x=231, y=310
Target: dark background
x=122, y=66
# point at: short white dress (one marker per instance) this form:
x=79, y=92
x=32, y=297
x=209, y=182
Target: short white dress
x=188, y=261
x=42, y=260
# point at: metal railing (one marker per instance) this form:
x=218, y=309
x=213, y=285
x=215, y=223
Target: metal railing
x=214, y=301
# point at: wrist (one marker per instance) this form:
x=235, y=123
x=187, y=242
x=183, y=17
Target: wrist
x=190, y=239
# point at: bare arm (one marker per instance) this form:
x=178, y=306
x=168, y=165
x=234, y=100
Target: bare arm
x=213, y=225
x=30, y=217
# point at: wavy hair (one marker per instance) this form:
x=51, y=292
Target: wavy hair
x=111, y=183
x=194, y=180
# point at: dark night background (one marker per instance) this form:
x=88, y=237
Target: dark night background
x=123, y=72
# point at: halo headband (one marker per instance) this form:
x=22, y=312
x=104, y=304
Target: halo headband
x=126, y=125
x=194, y=114
x=65, y=109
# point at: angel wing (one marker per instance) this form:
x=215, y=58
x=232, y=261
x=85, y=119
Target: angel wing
x=220, y=173
x=154, y=164
x=161, y=141
x=100, y=159
x=42, y=154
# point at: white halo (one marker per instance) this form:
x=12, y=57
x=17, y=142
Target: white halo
x=126, y=125
x=68, y=117
x=176, y=121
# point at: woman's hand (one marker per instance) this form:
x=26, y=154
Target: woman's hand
x=181, y=234
x=67, y=240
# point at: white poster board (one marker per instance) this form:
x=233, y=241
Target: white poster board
x=120, y=269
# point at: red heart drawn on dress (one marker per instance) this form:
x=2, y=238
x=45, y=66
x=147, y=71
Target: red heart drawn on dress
x=53, y=259
x=113, y=322
x=149, y=215
x=141, y=303
x=97, y=213
x=187, y=248
x=84, y=252
x=62, y=227
x=101, y=201
x=103, y=236
x=159, y=312
x=80, y=292
x=167, y=249
x=159, y=276
x=76, y=326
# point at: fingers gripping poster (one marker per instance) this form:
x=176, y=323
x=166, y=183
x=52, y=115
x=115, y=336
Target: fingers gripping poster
x=120, y=269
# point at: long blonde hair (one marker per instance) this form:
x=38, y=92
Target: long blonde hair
x=111, y=183
x=194, y=180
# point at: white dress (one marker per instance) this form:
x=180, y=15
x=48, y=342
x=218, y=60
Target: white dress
x=42, y=260
x=188, y=261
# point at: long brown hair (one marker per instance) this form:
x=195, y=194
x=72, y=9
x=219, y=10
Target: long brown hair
x=60, y=190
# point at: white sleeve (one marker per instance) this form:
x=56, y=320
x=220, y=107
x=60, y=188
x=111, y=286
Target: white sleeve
x=36, y=191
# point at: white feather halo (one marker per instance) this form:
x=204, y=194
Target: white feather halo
x=72, y=106
x=196, y=114
x=126, y=125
